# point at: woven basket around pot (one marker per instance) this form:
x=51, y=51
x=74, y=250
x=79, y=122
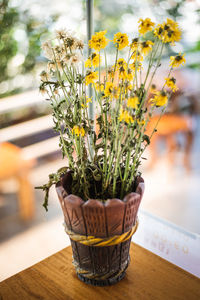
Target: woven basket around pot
x=100, y=265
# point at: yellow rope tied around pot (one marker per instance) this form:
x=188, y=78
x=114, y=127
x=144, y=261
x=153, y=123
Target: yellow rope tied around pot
x=101, y=242
x=105, y=276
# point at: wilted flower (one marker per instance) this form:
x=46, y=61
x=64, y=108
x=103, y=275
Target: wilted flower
x=79, y=44
x=44, y=76
x=75, y=59
x=42, y=90
x=61, y=34
x=70, y=42
x=47, y=48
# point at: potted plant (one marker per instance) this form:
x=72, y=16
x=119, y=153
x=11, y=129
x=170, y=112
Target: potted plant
x=101, y=188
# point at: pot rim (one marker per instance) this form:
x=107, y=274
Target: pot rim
x=140, y=185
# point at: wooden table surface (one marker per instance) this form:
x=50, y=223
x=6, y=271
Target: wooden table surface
x=148, y=277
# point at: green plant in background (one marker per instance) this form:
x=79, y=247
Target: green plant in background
x=11, y=19
x=8, y=45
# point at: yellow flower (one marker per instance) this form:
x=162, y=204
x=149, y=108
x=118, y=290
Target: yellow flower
x=111, y=91
x=108, y=89
x=168, y=32
x=84, y=105
x=172, y=33
x=160, y=99
x=177, y=60
x=153, y=89
x=141, y=122
x=122, y=73
x=171, y=83
x=127, y=87
x=99, y=86
x=98, y=40
x=129, y=74
x=82, y=131
x=116, y=92
x=121, y=63
x=145, y=25
x=158, y=31
x=135, y=44
x=111, y=73
x=91, y=77
x=137, y=55
x=133, y=102
x=136, y=66
x=146, y=47
x=92, y=60
x=78, y=130
x=125, y=116
x=88, y=99
x=88, y=63
x=95, y=59
x=121, y=40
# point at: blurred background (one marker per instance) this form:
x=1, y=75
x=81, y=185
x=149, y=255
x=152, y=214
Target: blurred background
x=29, y=147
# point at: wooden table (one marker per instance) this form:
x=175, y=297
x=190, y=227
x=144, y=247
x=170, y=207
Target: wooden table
x=148, y=277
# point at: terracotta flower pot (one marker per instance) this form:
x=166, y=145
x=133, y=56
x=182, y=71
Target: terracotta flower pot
x=112, y=221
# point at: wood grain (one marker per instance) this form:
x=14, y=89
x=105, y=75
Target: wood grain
x=148, y=277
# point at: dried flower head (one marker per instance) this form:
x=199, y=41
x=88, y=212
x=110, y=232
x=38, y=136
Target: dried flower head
x=79, y=44
x=75, y=59
x=47, y=48
x=44, y=76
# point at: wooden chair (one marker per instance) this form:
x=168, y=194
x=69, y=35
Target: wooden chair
x=168, y=126
x=12, y=165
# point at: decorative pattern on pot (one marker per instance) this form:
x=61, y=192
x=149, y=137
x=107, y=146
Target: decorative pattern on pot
x=93, y=223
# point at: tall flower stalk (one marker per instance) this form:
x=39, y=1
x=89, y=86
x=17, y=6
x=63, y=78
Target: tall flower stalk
x=104, y=155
